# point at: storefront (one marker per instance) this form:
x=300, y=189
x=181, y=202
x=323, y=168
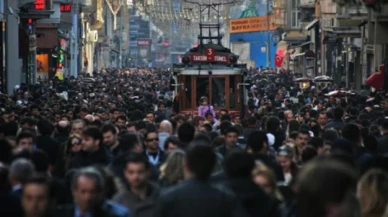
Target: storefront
x=47, y=51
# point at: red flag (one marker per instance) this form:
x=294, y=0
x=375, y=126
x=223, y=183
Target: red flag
x=278, y=60
x=376, y=80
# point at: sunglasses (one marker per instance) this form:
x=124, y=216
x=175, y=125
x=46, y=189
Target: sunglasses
x=154, y=139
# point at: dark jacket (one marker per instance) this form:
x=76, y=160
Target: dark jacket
x=84, y=159
x=48, y=145
x=62, y=138
x=9, y=205
x=195, y=198
x=108, y=209
x=253, y=199
x=272, y=164
x=222, y=150
x=336, y=124
x=383, y=144
x=138, y=206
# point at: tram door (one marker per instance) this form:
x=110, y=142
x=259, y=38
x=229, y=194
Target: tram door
x=221, y=91
x=212, y=87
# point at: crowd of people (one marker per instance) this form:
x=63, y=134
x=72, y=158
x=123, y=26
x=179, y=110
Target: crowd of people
x=113, y=145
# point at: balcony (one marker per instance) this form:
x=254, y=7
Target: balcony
x=279, y=4
x=354, y=13
x=307, y=4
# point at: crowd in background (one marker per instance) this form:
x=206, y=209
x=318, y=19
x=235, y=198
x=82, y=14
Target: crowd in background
x=113, y=144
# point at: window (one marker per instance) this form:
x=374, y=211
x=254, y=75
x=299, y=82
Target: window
x=295, y=14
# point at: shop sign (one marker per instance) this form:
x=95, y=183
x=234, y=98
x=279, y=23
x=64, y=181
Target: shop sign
x=204, y=58
x=40, y=5
x=251, y=24
x=143, y=43
x=65, y=8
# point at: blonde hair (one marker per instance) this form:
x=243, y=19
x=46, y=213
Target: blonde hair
x=263, y=170
x=172, y=170
x=372, y=190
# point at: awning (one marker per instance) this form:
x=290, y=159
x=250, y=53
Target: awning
x=297, y=53
x=311, y=24
x=347, y=31
x=296, y=40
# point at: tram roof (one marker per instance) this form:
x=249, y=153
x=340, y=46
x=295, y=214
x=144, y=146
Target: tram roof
x=206, y=68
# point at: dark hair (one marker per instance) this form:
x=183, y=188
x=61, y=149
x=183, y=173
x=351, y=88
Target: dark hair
x=256, y=141
x=186, y=132
x=238, y=164
x=121, y=117
x=25, y=134
x=304, y=132
x=44, y=181
x=94, y=133
x=28, y=121
x=316, y=142
x=140, y=125
x=323, y=182
x=224, y=126
x=352, y=133
x=202, y=137
x=138, y=158
x=201, y=160
x=109, y=128
x=41, y=160
x=225, y=117
x=5, y=151
x=128, y=142
x=233, y=129
x=308, y=153
x=171, y=139
x=10, y=129
x=45, y=128
x=338, y=113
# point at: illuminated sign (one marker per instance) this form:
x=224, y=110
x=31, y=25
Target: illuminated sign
x=143, y=43
x=204, y=58
x=251, y=24
x=40, y=4
x=66, y=8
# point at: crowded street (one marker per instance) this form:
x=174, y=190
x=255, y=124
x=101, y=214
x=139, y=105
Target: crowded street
x=193, y=108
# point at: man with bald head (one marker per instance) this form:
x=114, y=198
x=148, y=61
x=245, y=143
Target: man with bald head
x=165, y=131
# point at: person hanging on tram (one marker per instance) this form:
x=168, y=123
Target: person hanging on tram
x=205, y=108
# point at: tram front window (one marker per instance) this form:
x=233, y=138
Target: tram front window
x=202, y=88
x=218, y=92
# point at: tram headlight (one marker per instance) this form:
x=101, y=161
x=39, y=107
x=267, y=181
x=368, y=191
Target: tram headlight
x=232, y=58
x=185, y=60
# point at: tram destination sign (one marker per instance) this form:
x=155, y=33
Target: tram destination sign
x=206, y=58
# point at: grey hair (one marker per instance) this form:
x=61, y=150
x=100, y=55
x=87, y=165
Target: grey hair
x=90, y=173
x=78, y=121
x=21, y=170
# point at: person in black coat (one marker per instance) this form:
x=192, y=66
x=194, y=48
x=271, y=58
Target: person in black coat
x=196, y=197
x=238, y=166
x=93, y=152
x=257, y=146
x=9, y=204
x=45, y=142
